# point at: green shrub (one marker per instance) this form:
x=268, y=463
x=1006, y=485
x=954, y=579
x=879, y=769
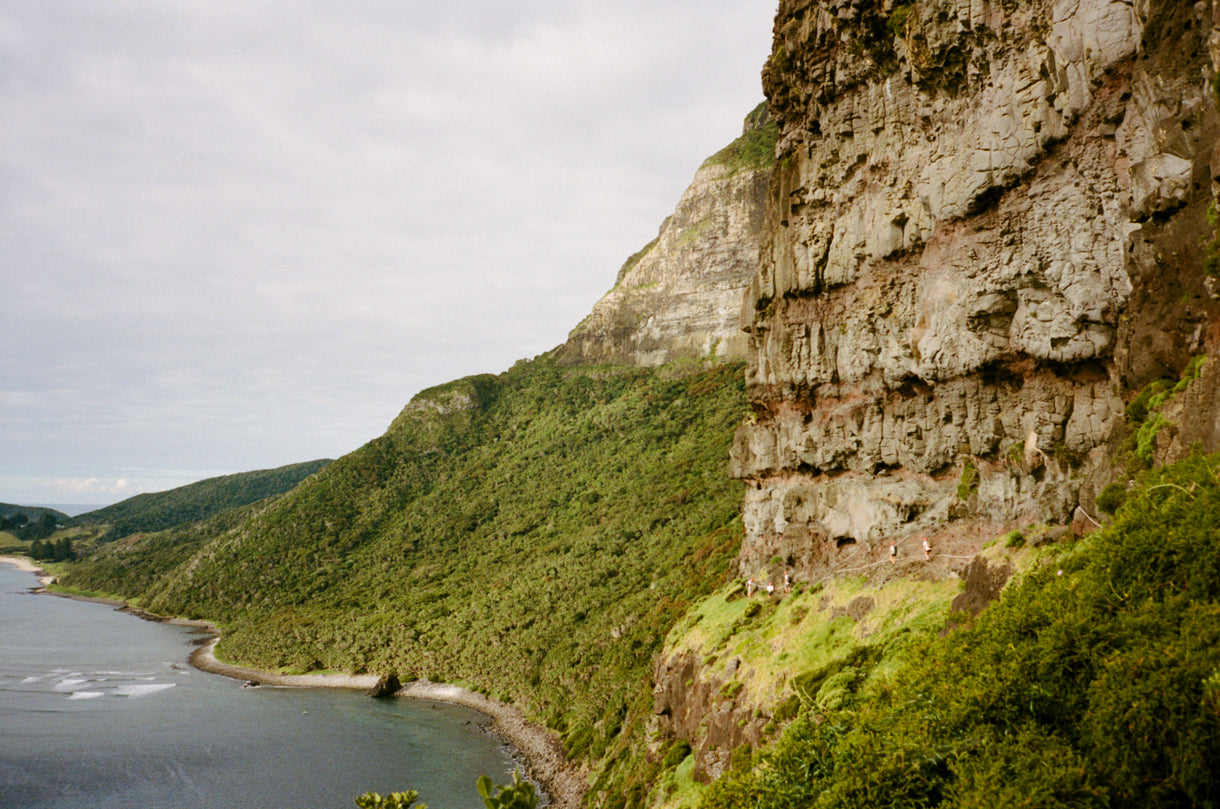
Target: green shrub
x=787, y=709
x=969, y=482
x=1112, y=497
x=731, y=689
x=395, y=800
x=1211, y=257
x=1147, y=400
x=1094, y=682
x=1145, y=437
x=1032, y=767
x=517, y=795
x=897, y=21
x=742, y=758
x=676, y=754
x=755, y=149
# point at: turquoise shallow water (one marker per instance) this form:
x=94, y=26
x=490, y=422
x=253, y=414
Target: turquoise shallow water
x=99, y=710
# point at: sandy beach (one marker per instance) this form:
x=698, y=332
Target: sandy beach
x=29, y=566
x=204, y=659
x=541, y=750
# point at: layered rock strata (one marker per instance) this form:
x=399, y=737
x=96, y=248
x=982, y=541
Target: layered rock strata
x=975, y=207
x=987, y=228
x=679, y=298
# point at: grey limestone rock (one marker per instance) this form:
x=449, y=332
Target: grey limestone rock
x=957, y=222
x=680, y=297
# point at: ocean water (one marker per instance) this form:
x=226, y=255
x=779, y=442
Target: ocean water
x=99, y=710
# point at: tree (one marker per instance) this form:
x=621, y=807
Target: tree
x=63, y=550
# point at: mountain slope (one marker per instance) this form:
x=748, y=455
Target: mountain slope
x=533, y=535
x=31, y=513
x=29, y=522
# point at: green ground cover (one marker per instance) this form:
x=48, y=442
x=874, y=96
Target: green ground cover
x=1094, y=682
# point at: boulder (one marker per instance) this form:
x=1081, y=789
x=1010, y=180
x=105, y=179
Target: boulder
x=387, y=686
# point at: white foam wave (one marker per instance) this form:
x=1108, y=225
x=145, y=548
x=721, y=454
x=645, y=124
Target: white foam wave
x=141, y=690
x=86, y=694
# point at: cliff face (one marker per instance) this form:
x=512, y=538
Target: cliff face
x=680, y=296
x=986, y=230
x=982, y=233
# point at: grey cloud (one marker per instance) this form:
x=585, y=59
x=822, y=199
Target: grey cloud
x=235, y=235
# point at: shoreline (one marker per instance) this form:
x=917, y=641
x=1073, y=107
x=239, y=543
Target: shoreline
x=545, y=761
x=536, y=747
x=29, y=566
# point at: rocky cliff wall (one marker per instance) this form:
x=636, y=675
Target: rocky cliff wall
x=679, y=298
x=983, y=232
x=987, y=229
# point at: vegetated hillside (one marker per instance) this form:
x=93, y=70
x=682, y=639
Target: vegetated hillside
x=1094, y=682
x=533, y=534
x=158, y=511
x=128, y=567
x=20, y=525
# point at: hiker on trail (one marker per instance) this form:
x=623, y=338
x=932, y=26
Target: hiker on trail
x=927, y=549
x=750, y=587
x=893, y=552
x=787, y=583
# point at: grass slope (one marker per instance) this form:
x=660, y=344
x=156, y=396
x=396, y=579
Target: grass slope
x=533, y=535
x=755, y=149
x=159, y=511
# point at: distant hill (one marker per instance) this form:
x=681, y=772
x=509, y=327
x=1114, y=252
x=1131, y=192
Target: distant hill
x=74, y=509
x=30, y=522
x=158, y=511
x=32, y=513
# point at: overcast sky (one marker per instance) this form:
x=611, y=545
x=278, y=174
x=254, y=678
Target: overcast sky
x=239, y=234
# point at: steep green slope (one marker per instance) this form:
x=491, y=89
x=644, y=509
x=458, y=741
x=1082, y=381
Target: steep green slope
x=1094, y=682
x=158, y=511
x=533, y=535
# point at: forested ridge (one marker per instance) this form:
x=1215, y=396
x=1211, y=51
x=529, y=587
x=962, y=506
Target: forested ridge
x=157, y=511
